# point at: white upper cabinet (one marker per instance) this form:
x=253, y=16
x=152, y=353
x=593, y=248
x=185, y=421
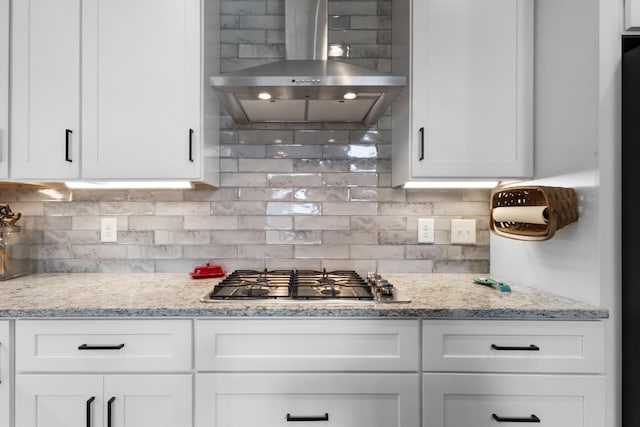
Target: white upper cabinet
x=141, y=89
x=4, y=88
x=467, y=111
x=45, y=96
x=112, y=90
x=632, y=15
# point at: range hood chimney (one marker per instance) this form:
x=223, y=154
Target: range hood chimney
x=306, y=86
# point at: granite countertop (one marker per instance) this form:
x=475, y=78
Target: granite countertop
x=178, y=295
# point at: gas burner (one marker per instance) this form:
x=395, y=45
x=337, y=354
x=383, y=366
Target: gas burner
x=328, y=290
x=260, y=282
x=325, y=281
x=250, y=290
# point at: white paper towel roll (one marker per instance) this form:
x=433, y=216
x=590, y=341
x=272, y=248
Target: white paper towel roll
x=526, y=214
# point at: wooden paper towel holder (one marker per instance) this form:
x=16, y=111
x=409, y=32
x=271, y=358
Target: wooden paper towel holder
x=561, y=210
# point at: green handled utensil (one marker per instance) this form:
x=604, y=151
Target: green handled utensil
x=487, y=281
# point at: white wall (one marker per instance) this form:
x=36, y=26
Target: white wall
x=566, y=140
x=577, y=144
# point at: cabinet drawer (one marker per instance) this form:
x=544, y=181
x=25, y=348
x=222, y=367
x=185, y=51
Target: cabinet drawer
x=307, y=345
x=513, y=346
x=103, y=345
x=454, y=400
x=354, y=400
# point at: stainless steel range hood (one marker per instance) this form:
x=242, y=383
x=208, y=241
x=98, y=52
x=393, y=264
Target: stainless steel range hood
x=307, y=87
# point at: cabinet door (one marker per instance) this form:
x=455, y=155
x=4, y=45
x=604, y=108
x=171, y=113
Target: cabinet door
x=472, y=88
x=45, y=82
x=141, y=100
x=632, y=15
x=4, y=89
x=95, y=400
x=5, y=375
x=148, y=400
x=58, y=400
x=330, y=400
x=470, y=400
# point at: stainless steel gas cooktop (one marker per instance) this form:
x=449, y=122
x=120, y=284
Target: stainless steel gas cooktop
x=300, y=286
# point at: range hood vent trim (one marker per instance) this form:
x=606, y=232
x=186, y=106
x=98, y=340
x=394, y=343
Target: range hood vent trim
x=304, y=77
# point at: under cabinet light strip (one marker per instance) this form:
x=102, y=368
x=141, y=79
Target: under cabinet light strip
x=128, y=185
x=451, y=184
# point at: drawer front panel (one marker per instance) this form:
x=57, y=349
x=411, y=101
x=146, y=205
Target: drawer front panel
x=103, y=345
x=513, y=346
x=328, y=400
x=453, y=400
x=307, y=345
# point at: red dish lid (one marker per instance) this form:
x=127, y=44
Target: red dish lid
x=207, y=271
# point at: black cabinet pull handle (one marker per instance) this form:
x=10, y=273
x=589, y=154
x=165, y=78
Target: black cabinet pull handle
x=421, y=130
x=531, y=419
x=100, y=347
x=324, y=417
x=109, y=404
x=89, y=402
x=67, y=146
x=529, y=348
x=191, y=145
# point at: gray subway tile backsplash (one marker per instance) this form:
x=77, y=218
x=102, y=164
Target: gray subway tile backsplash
x=353, y=8
x=238, y=8
x=306, y=196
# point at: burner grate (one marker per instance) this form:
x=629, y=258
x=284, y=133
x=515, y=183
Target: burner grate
x=292, y=284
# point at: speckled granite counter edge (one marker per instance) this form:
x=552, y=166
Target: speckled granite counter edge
x=312, y=312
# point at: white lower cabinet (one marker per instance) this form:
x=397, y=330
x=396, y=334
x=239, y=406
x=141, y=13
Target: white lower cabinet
x=103, y=400
x=5, y=374
x=323, y=372
x=104, y=373
x=331, y=400
x=501, y=372
x=470, y=400
x=103, y=345
x=307, y=345
x=272, y=372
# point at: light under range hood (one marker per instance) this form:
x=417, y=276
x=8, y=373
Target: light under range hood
x=307, y=87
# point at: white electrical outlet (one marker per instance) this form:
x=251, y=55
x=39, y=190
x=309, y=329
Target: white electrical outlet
x=109, y=230
x=426, y=230
x=463, y=231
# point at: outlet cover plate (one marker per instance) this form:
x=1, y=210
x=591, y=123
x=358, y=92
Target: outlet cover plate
x=426, y=230
x=109, y=230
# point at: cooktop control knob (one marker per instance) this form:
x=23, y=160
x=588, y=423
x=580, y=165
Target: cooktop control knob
x=372, y=278
x=386, y=288
x=380, y=284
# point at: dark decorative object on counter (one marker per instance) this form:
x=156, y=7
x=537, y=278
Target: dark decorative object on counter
x=15, y=259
